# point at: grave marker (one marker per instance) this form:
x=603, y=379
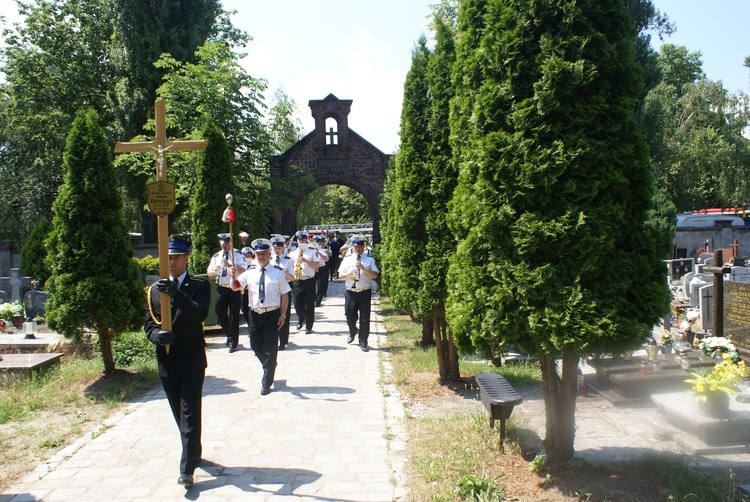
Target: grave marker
x=706, y=298
x=737, y=313
x=33, y=303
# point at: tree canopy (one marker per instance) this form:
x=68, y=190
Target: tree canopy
x=94, y=283
x=554, y=184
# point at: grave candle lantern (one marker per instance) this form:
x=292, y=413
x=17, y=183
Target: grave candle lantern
x=29, y=327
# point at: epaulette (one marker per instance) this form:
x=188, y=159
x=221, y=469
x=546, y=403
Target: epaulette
x=202, y=279
x=252, y=267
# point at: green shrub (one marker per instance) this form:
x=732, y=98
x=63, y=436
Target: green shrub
x=132, y=347
x=148, y=265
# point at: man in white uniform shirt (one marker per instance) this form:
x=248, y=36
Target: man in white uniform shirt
x=223, y=268
x=305, y=263
x=267, y=290
x=359, y=270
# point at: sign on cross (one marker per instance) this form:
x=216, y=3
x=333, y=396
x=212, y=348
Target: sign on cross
x=161, y=193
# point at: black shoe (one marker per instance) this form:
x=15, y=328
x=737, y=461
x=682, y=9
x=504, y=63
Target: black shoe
x=228, y=342
x=185, y=479
x=317, y=304
x=350, y=339
x=232, y=349
x=364, y=348
x=282, y=347
x=308, y=331
x=264, y=391
x=300, y=326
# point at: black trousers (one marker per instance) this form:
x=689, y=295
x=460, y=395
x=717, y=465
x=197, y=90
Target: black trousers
x=284, y=331
x=304, y=301
x=264, y=340
x=246, y=313
x=184, y=395
x=333, y=267
x=357, y=305
x=321, y=281
x=228, y=304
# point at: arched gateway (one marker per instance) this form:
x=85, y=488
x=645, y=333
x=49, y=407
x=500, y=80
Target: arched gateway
x=332, y=154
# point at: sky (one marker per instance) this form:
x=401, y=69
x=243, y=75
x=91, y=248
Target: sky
x=361, y=50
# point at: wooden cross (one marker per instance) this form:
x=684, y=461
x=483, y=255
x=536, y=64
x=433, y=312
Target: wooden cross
x=160, y=145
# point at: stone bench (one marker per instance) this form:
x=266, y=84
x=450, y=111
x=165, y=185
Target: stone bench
x=25, y=364
x=499, y=398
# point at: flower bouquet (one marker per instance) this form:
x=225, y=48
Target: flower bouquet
x=712, y=389
x=712, y=345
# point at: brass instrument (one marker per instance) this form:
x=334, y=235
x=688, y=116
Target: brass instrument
x=298, y=265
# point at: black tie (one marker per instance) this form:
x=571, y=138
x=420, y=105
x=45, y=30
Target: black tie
x=262, y=285
x=224, y=268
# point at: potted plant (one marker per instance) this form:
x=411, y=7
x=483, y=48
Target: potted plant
x=665, y=340
x=712, y=389
x=7, y=310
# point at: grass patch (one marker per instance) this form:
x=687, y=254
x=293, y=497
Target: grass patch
x=457, y=458
x=47, y=411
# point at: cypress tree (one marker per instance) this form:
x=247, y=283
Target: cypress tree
x=553, y=192
x=409, y=201
x=214, y=180
x=94, y=283
x=442, y=178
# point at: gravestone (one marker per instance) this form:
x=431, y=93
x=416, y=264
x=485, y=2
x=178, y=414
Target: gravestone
x=737, y=313
x=697, y=282
x=33, y=303
x=706, y=298
x=678, y=268
x=741, y=261
x=739, y=274
x=706, y=259
x=15, y=285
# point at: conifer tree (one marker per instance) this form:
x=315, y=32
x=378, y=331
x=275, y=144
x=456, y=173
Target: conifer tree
x=553, y=192
x=442, y=176
x=94, y=283
x=403, y=251
x=214, y=180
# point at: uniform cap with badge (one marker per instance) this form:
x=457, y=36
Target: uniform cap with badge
x=261, y=245
x=179, y=244
x=359, y=240
x=225, y=237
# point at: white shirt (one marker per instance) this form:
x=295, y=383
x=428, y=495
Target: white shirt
x=285, y=263
x=350, y=262
x=310, y=254
x=216, y=266
x=274, y=281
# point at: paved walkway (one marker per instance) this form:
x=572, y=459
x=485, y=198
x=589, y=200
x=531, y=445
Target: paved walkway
x=329, y=431
x=321, y=435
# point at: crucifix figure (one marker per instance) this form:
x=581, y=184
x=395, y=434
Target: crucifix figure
x=160, y=145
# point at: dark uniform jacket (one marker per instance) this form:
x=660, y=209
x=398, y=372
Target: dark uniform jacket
x=189, y=309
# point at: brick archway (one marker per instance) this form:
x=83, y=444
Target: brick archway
x=332, y=154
